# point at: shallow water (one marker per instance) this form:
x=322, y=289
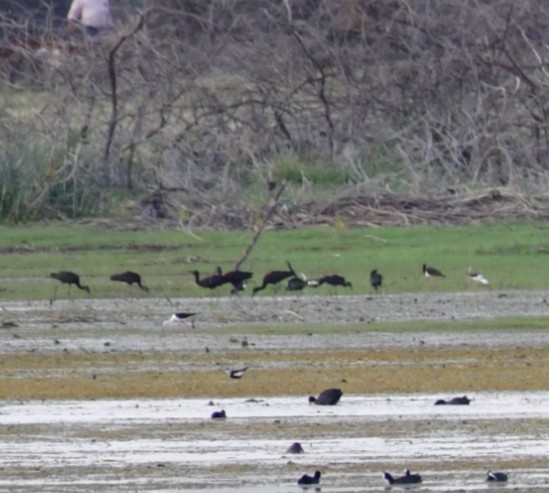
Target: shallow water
x=173, y=445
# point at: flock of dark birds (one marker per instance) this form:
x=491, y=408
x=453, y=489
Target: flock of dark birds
x=330, y=397
x=237, y=279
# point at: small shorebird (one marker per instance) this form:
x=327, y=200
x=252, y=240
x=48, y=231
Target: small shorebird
x=477, y=276
x=497, y=476
x=431, y=272
x=178, y=318
x=238, y=373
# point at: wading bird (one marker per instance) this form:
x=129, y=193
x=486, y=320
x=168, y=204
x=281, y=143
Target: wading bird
x=477, y=276
x=275, y=277
x=236, y=278
x=178, y=318
x=376, y=279
x=70, y=278
x=211, y=282
x=334, y=280
x=238, y=373
x=130, y=278
x=496, y=476
x=431, y=272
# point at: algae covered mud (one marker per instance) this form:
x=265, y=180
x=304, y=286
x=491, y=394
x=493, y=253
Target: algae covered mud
x=98, y=395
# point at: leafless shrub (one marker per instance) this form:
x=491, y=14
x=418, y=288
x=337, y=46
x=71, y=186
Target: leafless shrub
x=198, y=98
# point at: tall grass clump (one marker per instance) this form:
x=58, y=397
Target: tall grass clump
x=39, y=180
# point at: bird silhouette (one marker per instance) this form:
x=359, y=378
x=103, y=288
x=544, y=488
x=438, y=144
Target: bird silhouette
x=334, y=280
x=408, y=478
x=178, y=318
x=211, y=282
x=454, y=401
x=238, y=373
x=219, y=414
x=69, y=278
x=328, y=397
x=295, y=448
x=296, y=284
x=237, y=278
x=376, y=279
x=306, y=479
x=275, y=277
x=431, y=271
x=130, y=278
x=496, y=476
x=477, y=276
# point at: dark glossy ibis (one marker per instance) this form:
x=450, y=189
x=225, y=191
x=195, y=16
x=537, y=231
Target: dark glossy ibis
x=334, y=280
x=275, y=277
x=296, y=284
x=376, y=279
x=236, y=278
x=211, y=282
x=69, y=278
x=130, y=278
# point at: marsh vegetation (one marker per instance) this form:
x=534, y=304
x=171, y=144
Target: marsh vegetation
x=194, y=110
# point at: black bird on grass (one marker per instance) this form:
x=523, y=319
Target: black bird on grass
x=376, y=279
x=408, y=478
x=70, y=278
x=275, y=277
x=130, y=278
x=306, y=479
x=431, y=271
x=454, y=401
x=497, y=476
x=211, y=282
x=335, y=280
x=237, y=278
x=296, y=284
x=328, y=397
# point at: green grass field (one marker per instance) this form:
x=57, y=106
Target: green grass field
x=510, y=255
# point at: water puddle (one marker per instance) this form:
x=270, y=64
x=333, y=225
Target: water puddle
x=173, y=445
